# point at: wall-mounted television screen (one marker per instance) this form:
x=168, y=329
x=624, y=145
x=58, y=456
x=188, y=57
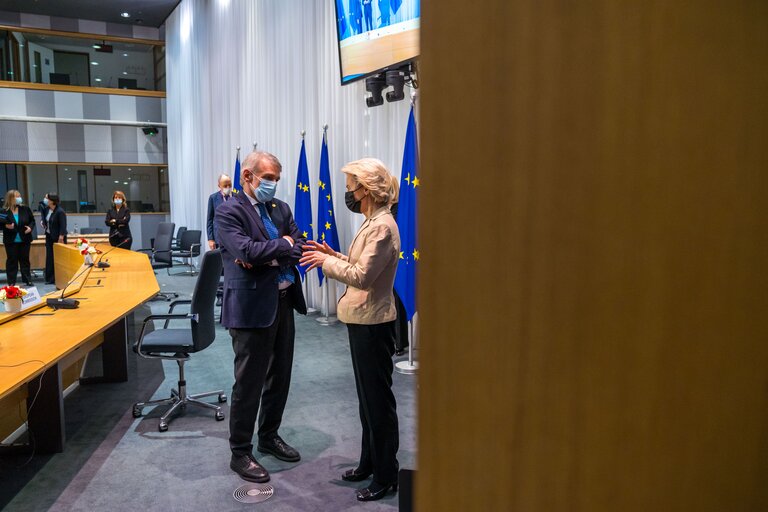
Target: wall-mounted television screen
x=375, y=35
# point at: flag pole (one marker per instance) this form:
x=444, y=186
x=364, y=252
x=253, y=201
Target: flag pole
x=328, y=319
x=409, y=367
x=305, y=281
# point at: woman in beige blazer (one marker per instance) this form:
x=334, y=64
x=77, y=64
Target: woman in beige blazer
x=368, y=309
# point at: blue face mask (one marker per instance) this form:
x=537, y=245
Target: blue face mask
x=19, y=200
x=118, y=202
x=45, y=201
x=266, y=190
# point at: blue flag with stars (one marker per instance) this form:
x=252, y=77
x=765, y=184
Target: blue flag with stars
x=302, y=210
x=405, y=279
x=326, y=222
x=236, y=177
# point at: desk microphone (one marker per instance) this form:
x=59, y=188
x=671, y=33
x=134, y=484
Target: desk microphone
x=66, y=303
x=104, y=264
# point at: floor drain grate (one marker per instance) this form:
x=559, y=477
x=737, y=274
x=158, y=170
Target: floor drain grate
x=253, y=493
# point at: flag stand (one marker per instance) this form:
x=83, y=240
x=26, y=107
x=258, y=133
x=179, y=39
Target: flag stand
x=305, y=287
x=409, y=367
x=327, y=319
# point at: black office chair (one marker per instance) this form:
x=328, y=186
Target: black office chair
x=176, y=245
x=160, y=255
x=178, y=344
x=190, y=249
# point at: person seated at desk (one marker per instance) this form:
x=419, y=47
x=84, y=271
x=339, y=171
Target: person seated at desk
x=55, y=231
x=118, y=218
x=17, y=237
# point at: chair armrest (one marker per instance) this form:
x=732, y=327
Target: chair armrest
x=172, y=306
x=152, y=318
x=192, y=249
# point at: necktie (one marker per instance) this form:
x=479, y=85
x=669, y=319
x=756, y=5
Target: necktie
x=286, y=272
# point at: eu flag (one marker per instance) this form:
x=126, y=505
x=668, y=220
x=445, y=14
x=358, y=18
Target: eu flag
x=236, y=179
x=326, y=222
x=405, y=280
x=302, y=210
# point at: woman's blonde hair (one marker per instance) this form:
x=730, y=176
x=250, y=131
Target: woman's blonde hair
x=121, y=195
x=372, y=174
x=10, y=199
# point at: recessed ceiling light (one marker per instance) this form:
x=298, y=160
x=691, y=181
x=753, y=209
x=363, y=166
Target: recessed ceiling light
x=125, y=183
x=125, y=72
x=97, y=79
x=94, y=63
x=125, y=15
x=97, y=46
x=125, y=55
x=117, y=181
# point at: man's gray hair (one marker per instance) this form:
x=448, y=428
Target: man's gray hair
x=255, y=162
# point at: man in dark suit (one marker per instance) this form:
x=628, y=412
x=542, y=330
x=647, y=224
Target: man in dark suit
x=214, y=201
x=368, y=13
x=260, y=245
x=55, y=231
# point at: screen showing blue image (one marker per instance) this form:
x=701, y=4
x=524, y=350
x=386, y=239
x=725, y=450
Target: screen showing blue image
x=376, y=34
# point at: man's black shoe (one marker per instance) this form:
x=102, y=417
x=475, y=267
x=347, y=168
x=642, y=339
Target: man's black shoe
x=279, y=448
x=248, y=469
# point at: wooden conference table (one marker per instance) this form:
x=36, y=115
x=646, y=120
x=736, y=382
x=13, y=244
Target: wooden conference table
x=42, y=350
x=37, y=250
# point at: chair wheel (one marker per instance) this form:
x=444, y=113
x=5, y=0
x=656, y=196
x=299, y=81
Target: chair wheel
x=222, y=398
x=137, y=412
x=219, y=416
x=162, y=426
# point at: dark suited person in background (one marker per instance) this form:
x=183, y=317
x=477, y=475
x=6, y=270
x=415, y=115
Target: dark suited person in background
x=260, y=246
x=356, y=16
x=368, y=13
x=55, y=231
x=118, y=219
x=17, y=237
x=368, y=309
x=384, y=6
x=214, y=201
x=42, y=209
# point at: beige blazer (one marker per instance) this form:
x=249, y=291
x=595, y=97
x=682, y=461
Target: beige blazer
x=368, y=271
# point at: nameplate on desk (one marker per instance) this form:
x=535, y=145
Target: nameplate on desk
x=32, y=298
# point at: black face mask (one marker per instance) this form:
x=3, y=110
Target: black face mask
x=353, y=205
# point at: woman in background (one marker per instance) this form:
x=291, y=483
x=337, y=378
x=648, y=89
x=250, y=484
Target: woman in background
x=368, y=309
x=118, y=218
x=17, y=237
x=55, y=231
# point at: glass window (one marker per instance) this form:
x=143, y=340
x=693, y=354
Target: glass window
x=88, y=188
x=55, y=59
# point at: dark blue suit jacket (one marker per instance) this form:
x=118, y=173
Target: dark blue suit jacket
x=214, y=201
x=251, y=295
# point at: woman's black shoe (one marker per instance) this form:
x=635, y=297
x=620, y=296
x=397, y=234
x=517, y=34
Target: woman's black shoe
x=375, y=491
x=355, y=475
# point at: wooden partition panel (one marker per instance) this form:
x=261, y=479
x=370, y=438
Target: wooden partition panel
x=594, y=222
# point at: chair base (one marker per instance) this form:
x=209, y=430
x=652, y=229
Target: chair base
x=192, y=268
x=179, y=401
x=166, y=296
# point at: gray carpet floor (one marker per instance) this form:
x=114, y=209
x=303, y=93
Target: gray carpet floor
x=113, y=462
